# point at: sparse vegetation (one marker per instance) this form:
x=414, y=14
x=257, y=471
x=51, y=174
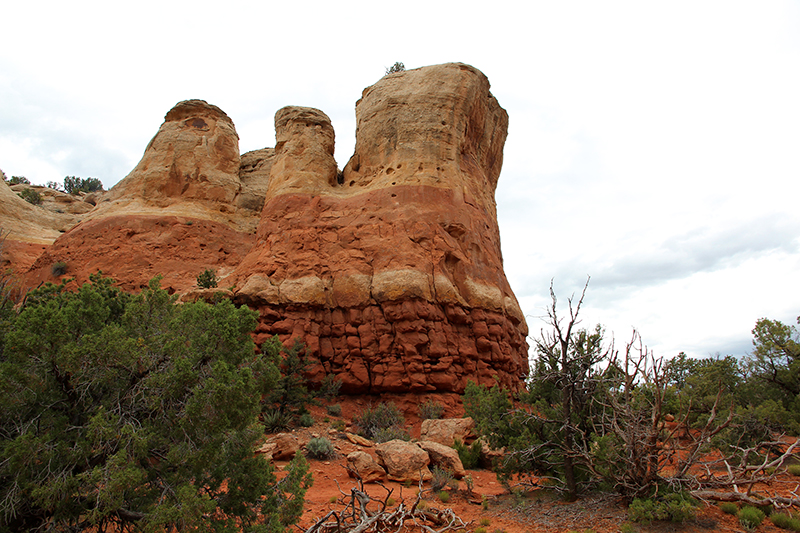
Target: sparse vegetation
x=320, y=448
x=672, y=507
x=391, y=433
x=485, y=522
x=430, y=410
x=785, y=521
x=729, y=508
x=330, y=387
x=381, y=423
x=440, y=478
x=16, y=180
x=31, y=196
x=334, y=409
x=444, y=496
x=397, y=67
x=306, y=420
x=794, y=470
x=207, y=279
x=59, y=268
x=594, y=416
x=74, y=185
x=750, y=517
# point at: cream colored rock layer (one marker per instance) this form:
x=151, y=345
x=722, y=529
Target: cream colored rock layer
x=359, y=290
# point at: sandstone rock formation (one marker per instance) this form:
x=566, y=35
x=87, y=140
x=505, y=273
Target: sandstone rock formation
x=391, y=272
x=28, y=230
x=175, y=214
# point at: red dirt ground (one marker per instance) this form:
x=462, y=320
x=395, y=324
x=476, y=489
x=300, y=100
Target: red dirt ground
x=490, y=503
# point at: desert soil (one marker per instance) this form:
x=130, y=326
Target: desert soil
x=489, y=506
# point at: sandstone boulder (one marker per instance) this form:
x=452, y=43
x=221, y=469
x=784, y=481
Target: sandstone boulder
x=444, y=457
x=280, y=446
x=359, y=440
x=403, y=461
x=365, y=466
x=445, y=431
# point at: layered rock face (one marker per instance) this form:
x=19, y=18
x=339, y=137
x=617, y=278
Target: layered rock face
x=391, y=272
x=27, y=230
x=176, y=214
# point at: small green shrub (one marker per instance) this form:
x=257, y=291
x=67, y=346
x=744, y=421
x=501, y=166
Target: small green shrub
x=329, y=388
x=306, y=420
x=785, y=521
x=750, y=517
x=275, y=421
x=485, y=522
x=397, y=67
x=729, y=508
x=16, y=180
x=480, y=530
x=320, y=448
x=794, y=470
x=469, y=455
x=334, y=410
x=391, y=433
x=440, y=478
x=59, y=268
x=673, y=507
x=422, y=505
x=333, y=499
x=381, y=422
x=390, y=502
x=207, y=279
x=338, y=425
x=431, y=410
x=444, y=496
x=470, y=483
x=31, y=196
x=627, y=527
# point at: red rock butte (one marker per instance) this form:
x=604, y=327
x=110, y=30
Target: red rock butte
x=389, y=271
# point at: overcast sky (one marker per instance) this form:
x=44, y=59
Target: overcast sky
x=654, y=146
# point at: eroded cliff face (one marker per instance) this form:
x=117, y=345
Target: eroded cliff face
x=390, y=271
x=177, y=213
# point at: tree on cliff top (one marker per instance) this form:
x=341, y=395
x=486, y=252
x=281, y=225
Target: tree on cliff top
x=133, y=412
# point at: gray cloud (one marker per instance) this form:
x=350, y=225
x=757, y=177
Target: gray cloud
x=703, y=250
